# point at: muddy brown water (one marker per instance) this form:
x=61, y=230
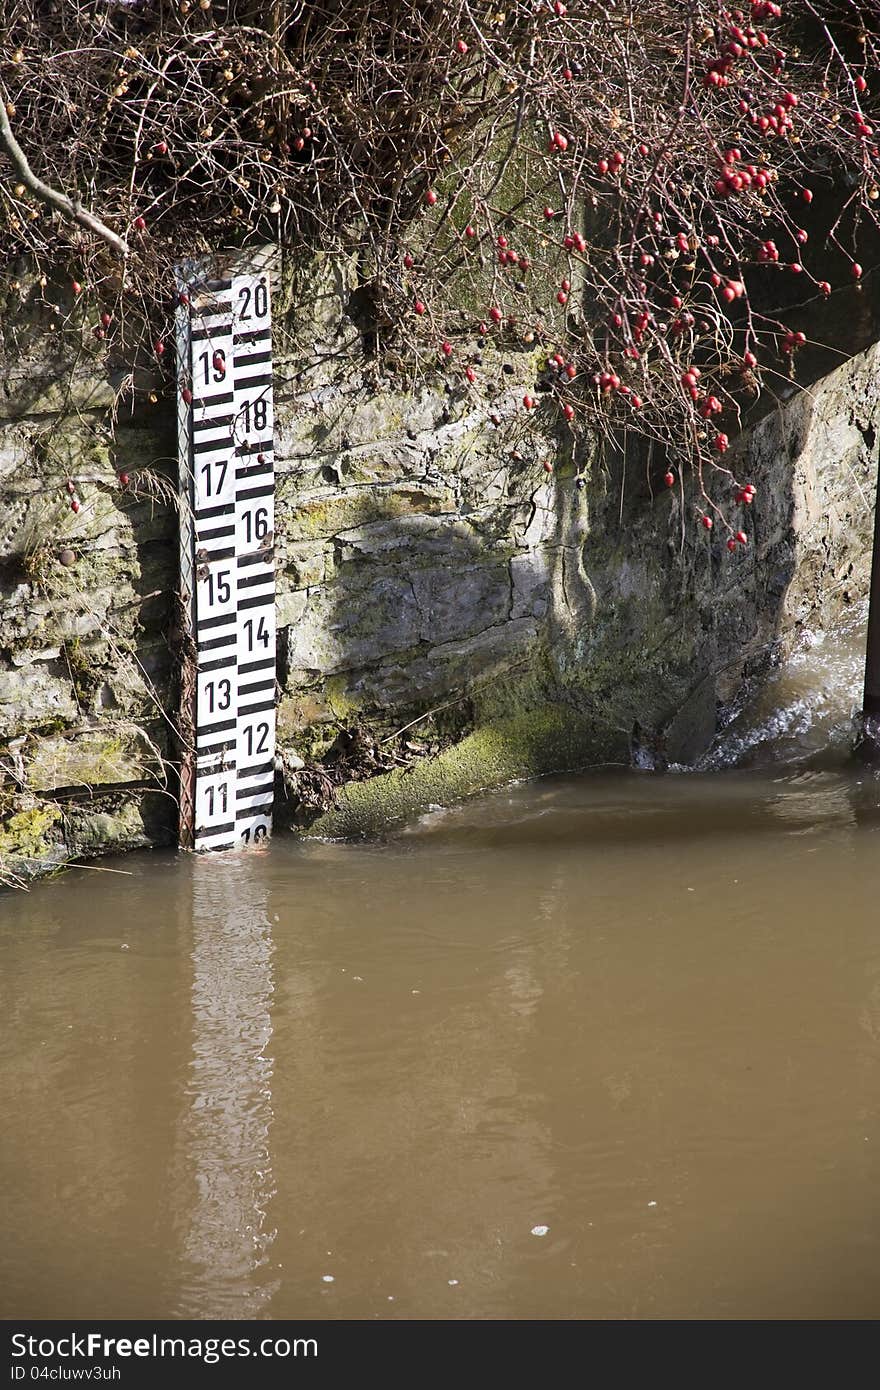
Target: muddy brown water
x=594, y=1047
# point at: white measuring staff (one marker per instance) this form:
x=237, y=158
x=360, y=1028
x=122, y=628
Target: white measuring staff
x=227, y=436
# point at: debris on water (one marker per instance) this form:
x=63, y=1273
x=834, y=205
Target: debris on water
x=540, y=1230
x=652, y=1204
x=451, y=1282
x=124, y=946
x=328, y=1278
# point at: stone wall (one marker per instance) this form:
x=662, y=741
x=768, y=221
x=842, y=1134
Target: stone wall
x=431, y=574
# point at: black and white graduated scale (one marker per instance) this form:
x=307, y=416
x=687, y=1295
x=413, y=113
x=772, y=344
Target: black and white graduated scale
x=228, y=476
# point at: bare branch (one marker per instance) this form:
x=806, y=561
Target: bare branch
x=59, y=201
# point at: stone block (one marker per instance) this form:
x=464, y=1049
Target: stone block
x=97, y=757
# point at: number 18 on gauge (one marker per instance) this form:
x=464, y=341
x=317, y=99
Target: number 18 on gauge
x=227, y=475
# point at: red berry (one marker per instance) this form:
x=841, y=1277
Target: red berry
x=161, y=147
x=99, y=333
x=76, y=286
x=186, y=396
x=139, y=224
x=408, y=261
x=562, y=297
x=124, y=479
x=669, y=479
x=742, y=537
x=568, y=412
x=430, y=197
x=461, y=47
x=807, y=195
x=219, y=362
x=636, y=402
x=571, y=371
x=749, y=359
x=74, y=506
x=549, y=214
x=528, y=402
x=470, y=374
x=560, y=141
x=856, y=271
x=470, y=231
x=548, y=466
x=159, y=347
x=419, y=307
x=721, y=442
x=707, y=522
x=183, y=297
x=602, y=166
x=446, y=349
x=495, y=314
x=731, y=544
x=824, y=287
x=106, y=319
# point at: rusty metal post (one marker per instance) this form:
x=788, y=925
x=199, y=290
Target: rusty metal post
x=867, y=746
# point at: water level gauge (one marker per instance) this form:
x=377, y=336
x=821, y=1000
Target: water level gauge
x=227, y=501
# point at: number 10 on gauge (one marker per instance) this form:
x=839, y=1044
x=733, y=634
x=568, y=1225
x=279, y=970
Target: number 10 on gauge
x=227, y=444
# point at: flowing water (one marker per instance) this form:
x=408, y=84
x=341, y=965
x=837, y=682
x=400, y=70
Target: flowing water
x=591, y=1047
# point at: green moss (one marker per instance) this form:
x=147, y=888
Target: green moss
x=23, y=835
x=339, y=699
x=83, y=674
x=549, y=739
